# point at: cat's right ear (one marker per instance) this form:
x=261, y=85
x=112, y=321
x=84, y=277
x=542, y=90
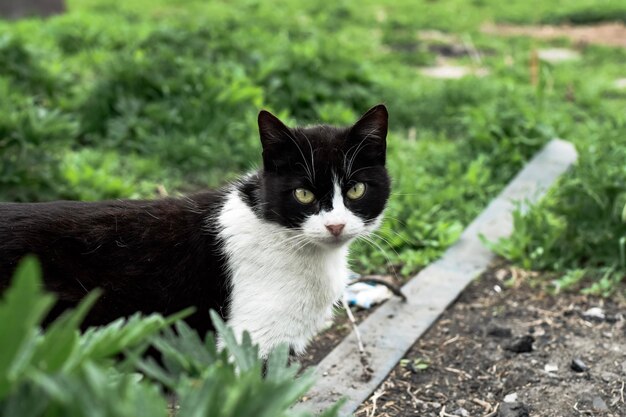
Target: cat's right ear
x=271, y=129
x=273, y=134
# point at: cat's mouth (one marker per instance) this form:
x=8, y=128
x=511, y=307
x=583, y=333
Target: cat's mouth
x=334, y=241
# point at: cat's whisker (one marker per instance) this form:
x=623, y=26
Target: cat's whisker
x=375, y=234
x=300, y=246
x=355, y=153
x=389, y=230
x=359, y=149
x=297, y=239
x=306, y=168
x=344, y=160
x=403, y=194
x=360, y=169
x=312, y=156
x=400, y=222
x=382, y=252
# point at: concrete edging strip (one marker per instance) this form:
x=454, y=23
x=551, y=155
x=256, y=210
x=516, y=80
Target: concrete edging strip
x=391, y=330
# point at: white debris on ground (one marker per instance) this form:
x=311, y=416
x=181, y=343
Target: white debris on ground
x=510, y=398
x=594, y=313
x=366, y=295
x=550, y=368
x=620, y=83
x=557, y=55
x=453, y=72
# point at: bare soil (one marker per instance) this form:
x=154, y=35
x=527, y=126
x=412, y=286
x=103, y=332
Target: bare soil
x=463, y=366
x=326, y=341
x=610, y=34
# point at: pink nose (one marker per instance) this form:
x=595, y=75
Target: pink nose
x=335, y=229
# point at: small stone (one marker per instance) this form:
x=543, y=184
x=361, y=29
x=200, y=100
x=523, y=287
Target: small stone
x=539, y=332
x=550, y=367
x=461, y=412
x=510, y=398
x=599, y=404
x=513, y=410
x=609, y=377
x=497, y=331
x=522, y=344
x=594, y=313
x=578, y=365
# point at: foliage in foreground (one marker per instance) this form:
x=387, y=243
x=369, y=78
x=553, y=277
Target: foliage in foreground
x=60, y=372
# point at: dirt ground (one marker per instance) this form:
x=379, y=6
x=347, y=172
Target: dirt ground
x=466, y=364
x=610, y=34
x=331, y=337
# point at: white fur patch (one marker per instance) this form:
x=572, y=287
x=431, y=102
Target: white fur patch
x=284, y=282
x=281, y=293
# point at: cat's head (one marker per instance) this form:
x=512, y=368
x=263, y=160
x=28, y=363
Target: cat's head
x=328, y=184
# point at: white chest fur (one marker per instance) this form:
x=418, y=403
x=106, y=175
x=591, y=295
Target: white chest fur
x=281, y=291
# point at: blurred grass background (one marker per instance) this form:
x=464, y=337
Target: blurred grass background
x=114, y=98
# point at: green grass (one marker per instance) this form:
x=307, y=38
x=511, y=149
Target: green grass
x=115, y=98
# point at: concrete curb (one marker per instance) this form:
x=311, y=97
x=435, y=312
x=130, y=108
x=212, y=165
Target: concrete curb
x=392, y=329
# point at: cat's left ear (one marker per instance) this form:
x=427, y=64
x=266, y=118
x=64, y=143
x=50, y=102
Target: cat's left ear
x=369, y=134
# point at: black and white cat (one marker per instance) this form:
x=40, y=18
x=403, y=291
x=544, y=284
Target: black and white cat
x=268, y=252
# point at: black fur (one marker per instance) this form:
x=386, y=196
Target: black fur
x=164, y=255
x=146, y=256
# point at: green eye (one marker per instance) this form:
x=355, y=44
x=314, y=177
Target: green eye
x=356, y=191
x=304, y=196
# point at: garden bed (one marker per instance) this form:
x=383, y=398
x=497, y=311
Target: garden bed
x=461, y=366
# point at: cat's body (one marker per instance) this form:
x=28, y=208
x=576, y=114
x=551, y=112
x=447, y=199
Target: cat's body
x=257, y=251
x=146, y=256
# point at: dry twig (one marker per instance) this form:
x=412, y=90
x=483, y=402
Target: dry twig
x=454, y=339
x=354, y=325
x=483, y=404
x=377, y=394
x=458, y=372
x=494, y=412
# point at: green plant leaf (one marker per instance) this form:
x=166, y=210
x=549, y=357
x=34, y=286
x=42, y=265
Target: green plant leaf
x=22, y=308
x=61, y=338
